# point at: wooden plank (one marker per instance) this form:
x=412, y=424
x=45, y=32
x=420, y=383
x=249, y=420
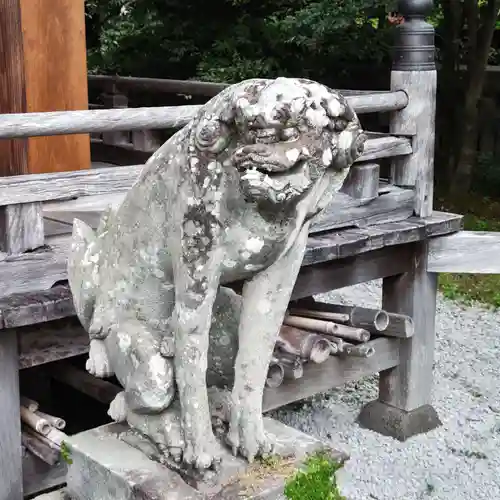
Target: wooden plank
x=418, y=119
x=392, y=206
x=41, y=269
x=362, y=101
x=53, y=341
x=21, y=227
x=39, y=476
x=348, y=242
x=395, y=204
x=332, y=373
x=11, y=477
x=409, y=385
x=64, y=185
x=13, y=153
x=476, y=252
x=327, y=276
x=38, y=307
x=54, y=45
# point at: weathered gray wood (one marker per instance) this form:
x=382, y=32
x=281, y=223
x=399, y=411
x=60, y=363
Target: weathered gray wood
x=369, y=102
x=395, y=204
x=115, y=101
x=408, y=386
x=417, y=119
x=385, y=147
x=333, y=372
x=378, y=102
x=349, y=242
x=40, y=270
x=11, y=477
x=362, y=181
x=53, y=341
x=64, y=185
x=188, y=87
x=344, y=211
x=39, y=477
x=21, y=227
x=145, y=140
x=101, y=390
x=400, y=326
x=326, y=276
x=19, y=125
x=476, y=252
x=40, y=307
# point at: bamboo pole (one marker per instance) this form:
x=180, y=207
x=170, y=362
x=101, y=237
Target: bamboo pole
x=34, y=421
x=328, y=328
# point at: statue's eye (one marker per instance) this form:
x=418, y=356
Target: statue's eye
x=289, y=134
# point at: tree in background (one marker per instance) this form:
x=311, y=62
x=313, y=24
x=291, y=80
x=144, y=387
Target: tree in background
x=465, y=34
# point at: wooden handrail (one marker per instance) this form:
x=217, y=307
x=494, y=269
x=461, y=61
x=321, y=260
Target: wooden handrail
x=22, y=125
x=21, y=189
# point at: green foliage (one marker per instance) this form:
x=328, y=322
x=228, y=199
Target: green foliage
x=316, y=481
x=236, y=39
x=66, y=453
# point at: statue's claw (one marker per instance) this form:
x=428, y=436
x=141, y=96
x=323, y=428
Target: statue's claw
x=98, y=363
x=247, y=436
x=203, y=454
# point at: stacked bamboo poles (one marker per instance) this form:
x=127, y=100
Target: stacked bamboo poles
x=316, y=331
x=41, y=433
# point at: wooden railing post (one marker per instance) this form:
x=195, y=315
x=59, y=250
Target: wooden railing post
x=415, y=73
x=116, y=100
x=21, y=227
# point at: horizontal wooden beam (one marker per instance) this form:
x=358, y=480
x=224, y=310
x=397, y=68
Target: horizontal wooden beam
x=335, y=371
x=22, y=125
x=361, y=101
x=40, y=270
x=64, y=185
x=473, y=252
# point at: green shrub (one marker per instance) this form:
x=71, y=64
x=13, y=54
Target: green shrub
x=316, y=481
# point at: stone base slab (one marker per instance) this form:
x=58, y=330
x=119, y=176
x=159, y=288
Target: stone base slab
x=107, y=464
x=399, y=424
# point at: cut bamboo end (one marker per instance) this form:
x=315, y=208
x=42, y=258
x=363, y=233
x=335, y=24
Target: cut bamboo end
x=29, y=403
x=275, y=374
x=56, y=422
x=320, y=351
x=35, y=422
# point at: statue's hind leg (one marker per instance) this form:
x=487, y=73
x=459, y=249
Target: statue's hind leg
x=149, y=384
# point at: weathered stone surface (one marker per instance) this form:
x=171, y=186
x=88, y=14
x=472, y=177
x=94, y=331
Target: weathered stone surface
x=399, y=424
x=107, y=467
x=229, y=197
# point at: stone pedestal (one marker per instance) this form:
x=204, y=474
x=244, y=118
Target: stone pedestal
x=109, y=463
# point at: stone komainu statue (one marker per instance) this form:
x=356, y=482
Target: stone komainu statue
x=229, y=197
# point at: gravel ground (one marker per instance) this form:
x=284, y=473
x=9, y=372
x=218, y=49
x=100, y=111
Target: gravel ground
x=458, y=461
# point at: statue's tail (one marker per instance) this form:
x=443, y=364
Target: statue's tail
x=83, y=267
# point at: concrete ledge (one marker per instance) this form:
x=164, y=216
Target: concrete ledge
x=108, y=465
x=399, y=424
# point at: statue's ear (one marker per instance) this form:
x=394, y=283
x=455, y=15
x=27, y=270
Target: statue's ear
x=213, y=135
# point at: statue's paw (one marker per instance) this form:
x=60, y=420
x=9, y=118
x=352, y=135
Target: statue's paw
x=246, y=435
x=98, y=363
x=172, y=434
x=118, y=408
x=204, y=453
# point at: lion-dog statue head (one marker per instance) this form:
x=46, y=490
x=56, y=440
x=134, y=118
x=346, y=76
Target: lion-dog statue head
x=282, y=135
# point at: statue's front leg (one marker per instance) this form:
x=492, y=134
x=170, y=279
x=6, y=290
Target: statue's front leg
x=196, y=276
x=264, y=304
